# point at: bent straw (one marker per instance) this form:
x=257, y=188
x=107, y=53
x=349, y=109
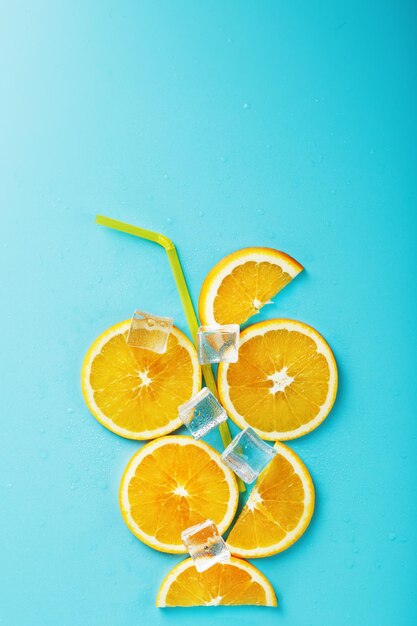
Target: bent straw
x=184, y=294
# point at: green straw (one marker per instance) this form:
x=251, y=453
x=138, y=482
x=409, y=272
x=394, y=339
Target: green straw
x=184, y=294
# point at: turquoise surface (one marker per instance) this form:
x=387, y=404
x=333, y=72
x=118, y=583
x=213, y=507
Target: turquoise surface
x=222, y=124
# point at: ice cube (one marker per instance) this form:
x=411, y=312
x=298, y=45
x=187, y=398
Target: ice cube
x=149, y=331
x=218, y=343
x=247, y=455
x=202, y=413
x=205, y=545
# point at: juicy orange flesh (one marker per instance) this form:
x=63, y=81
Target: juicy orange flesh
x=122, y=393
x=289, y=353
x=158, y=502
x=221, y=584
x=246, y=284
x=278, y=505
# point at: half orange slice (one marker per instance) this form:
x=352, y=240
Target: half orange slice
x=243, y=282
x=232, y=583
x=278, y=510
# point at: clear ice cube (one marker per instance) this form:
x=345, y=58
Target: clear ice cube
x=248, y=454
x=202, y=413
x=149, y=331
x=205, y=545
x=218, y=343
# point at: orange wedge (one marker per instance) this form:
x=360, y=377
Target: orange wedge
x=232, y=583
x=284, y=383
x=242, y=283
x=278, y=509
x=171, y=484
x=136, y=392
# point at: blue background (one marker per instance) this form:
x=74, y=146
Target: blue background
x=222, y=124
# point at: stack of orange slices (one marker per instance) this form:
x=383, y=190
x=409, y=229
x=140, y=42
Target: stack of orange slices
x=283, y=385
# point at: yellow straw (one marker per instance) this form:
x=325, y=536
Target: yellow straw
x=184, y=294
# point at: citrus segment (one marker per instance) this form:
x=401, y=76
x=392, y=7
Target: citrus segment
x=173, y=483
x=278, y=509
x=284, y=383
x=243, y=282
x=135, y=392
x=232, y=583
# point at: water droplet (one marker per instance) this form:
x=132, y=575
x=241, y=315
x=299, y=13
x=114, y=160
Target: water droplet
x=350, y=564
x=260, y=212
x=355, y=550
x=316, y=99
x=170, y=220
x=9, y=485
x=103, y=485
x=392, y=536
x=402, y=539
x=70, y=410
x=166, y=176
x=246, y=105
x=201, y=214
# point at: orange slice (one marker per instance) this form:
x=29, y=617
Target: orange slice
x=136, y=392
x=231, y=583
x=278, y=509
x=284, y=383
x=242, y=283
x=171, y=484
